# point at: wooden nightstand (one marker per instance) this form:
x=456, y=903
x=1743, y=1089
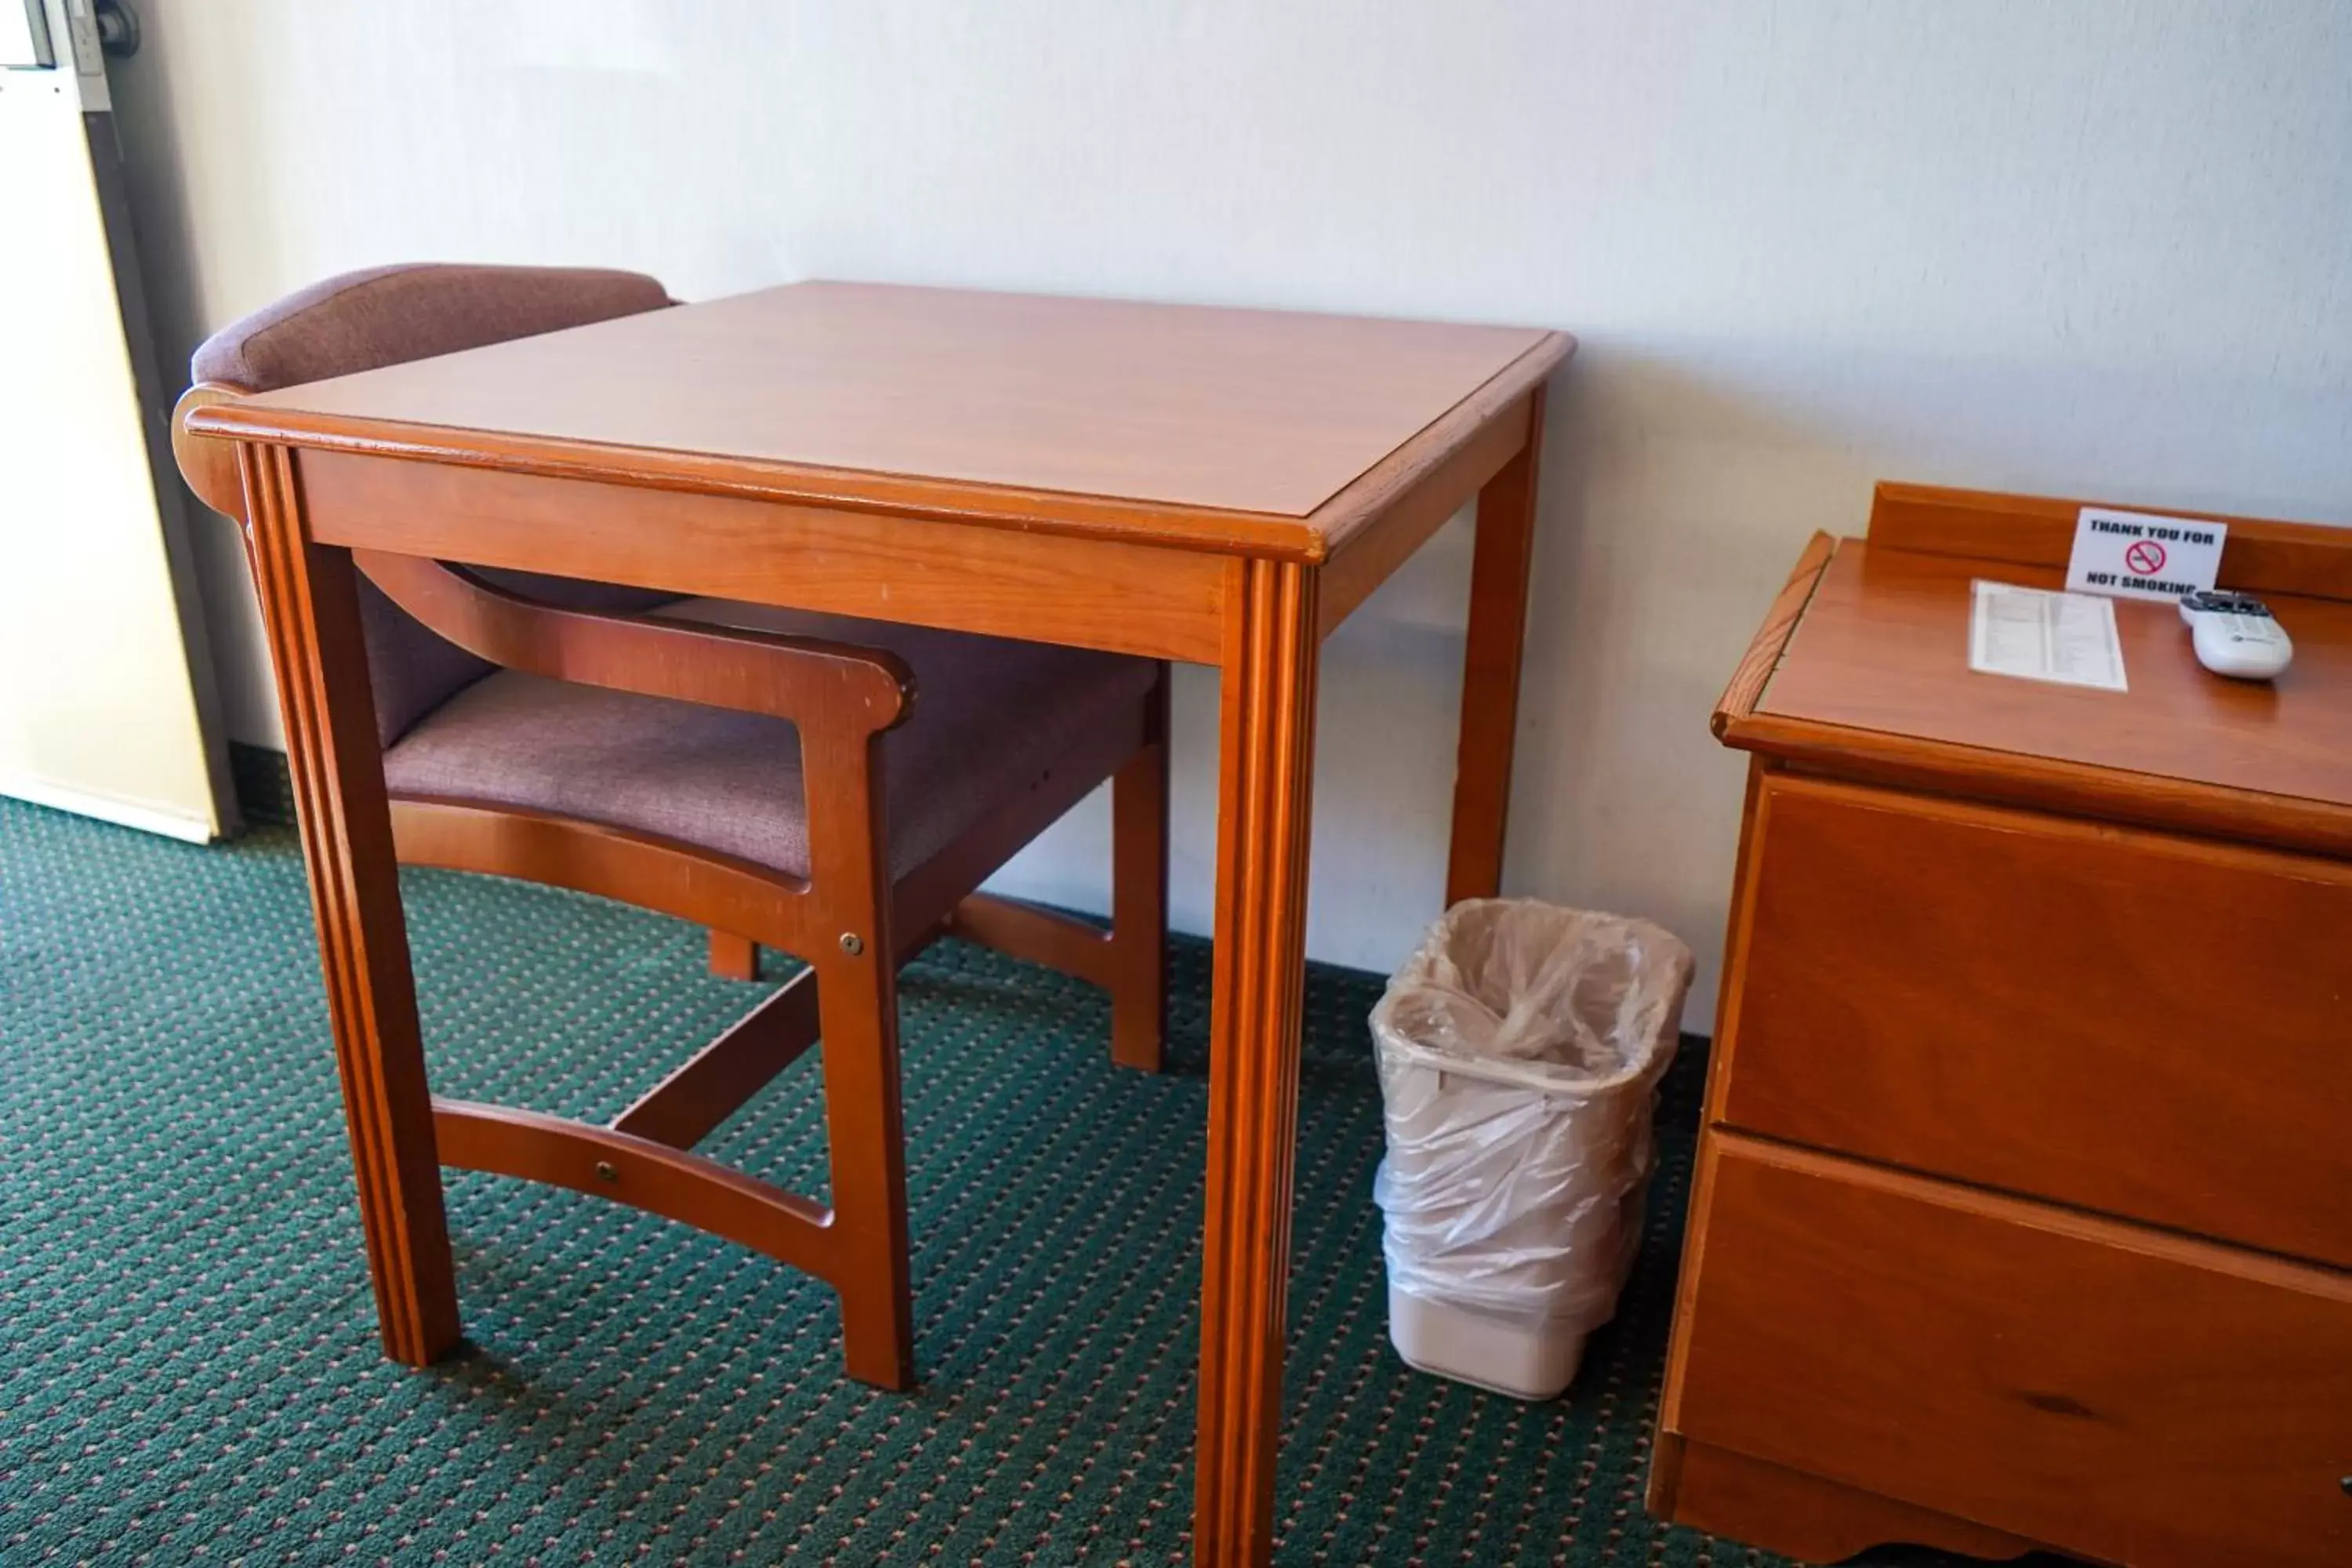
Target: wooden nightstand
x=2023, y=1213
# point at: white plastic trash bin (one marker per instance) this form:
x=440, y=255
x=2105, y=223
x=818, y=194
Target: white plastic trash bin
x=1519, y=1051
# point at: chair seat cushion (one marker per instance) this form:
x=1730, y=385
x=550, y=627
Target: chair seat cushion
x=991, y=718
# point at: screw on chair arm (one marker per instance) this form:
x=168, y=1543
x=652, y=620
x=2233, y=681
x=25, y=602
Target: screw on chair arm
x=808, y=680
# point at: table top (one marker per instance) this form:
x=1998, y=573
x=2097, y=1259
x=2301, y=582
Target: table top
x=1248, y=422
x=1883, y=646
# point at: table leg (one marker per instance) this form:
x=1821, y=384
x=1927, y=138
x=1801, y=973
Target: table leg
x=1490, y=668
x=1266, y=757
x=310, y=604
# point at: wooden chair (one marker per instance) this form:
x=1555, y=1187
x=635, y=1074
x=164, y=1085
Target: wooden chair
x=768, y=774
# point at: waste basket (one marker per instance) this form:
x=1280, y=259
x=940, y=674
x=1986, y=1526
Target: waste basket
x=1519, y=1052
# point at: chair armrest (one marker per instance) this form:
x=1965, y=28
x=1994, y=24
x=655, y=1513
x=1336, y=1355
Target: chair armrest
x=808, y=680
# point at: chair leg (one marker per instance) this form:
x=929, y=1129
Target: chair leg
x=1138, y=923
x=734, y=957
x=857, y=1020
x=857, y=1005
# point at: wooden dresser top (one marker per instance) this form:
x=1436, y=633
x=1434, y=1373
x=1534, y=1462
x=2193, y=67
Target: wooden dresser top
x=1883, y=644
x=1871, y=668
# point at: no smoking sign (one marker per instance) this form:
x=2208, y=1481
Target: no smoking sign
x=2138, y=555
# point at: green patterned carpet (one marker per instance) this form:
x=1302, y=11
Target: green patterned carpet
x=189, y=1368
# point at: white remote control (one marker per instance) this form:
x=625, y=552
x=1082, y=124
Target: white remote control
x=2236, y=635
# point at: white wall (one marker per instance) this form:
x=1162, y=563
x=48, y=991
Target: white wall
x=2103, y=247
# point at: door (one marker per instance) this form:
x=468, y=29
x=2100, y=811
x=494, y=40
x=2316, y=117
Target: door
x=106, y=702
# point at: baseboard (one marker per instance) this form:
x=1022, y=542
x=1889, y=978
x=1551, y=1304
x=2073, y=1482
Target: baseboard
x=124, y=814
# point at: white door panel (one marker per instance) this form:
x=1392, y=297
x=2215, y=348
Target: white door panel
x=103, y=701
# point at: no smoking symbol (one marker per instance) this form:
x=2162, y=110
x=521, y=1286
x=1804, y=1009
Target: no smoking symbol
x=2146, y=557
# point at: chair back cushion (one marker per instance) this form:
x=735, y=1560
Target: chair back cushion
x=388, y=315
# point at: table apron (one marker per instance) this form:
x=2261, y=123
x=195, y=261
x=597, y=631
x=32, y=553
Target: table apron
x=1147, y=600
x=1410, y=512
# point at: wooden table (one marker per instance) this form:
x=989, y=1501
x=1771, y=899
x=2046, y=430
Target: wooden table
x=2020, y=1216
x=1220, y=487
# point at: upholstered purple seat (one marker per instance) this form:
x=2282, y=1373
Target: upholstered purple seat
x=991, y=718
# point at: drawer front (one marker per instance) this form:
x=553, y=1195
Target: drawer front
x=2153, y=1027
x=2122, y=1394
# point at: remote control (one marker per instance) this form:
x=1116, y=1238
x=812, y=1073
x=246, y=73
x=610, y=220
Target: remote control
x=2236, y=635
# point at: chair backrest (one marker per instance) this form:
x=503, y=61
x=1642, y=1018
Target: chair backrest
x=387, y=315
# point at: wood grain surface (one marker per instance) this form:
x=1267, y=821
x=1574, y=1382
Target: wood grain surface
x=1496, y=636
x=2119, y=1393
x=1800, y=1515
x=1884, y=646
x=2262, y=555
x=1112, y=594
x=1771, y=640
x=837, y=390
x=309, y=599
x=1267, y=750
x=2151, y=1026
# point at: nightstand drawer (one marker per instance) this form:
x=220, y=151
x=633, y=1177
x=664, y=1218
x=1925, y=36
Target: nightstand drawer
x=2150, y=1026
x=2119, y=1393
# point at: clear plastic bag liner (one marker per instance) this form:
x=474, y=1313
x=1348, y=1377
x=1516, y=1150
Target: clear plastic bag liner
x=1519, y=1050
